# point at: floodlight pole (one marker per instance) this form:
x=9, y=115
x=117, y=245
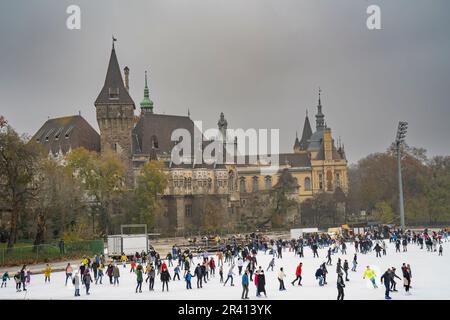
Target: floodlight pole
x=400, y=188
x=401, y=133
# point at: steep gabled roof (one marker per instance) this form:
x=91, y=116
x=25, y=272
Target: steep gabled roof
x=306, y=135
x=114, y=84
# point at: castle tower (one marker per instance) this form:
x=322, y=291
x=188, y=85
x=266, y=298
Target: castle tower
x=115, y=113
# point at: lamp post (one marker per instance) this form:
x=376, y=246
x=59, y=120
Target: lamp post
x=401, y=134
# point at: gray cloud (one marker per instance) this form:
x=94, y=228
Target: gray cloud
x=260, y=62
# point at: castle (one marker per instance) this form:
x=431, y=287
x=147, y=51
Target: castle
x=316, y=163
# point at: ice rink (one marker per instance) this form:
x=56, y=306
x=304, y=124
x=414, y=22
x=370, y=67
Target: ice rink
x=430, y=280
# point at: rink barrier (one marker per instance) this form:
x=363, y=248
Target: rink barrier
x=49, y=252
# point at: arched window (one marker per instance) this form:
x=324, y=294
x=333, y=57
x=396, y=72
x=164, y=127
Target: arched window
x=307, y=184
x=255, y=184
x=268, y=182
x=242, y=184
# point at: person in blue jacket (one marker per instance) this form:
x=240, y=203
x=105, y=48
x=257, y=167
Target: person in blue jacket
x=245, y=283
x=188, y=278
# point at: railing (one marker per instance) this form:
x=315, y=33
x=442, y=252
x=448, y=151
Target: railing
x=46, y=252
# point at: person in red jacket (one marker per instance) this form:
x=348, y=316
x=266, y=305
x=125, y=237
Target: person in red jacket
x=212, y=266
x=298, y=274
x=163, y=266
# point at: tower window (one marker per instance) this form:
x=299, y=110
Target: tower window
x=113, y=93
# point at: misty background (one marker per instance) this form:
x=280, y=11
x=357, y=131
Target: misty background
x=258, y=61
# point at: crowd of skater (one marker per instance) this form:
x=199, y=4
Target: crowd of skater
x=240, y=260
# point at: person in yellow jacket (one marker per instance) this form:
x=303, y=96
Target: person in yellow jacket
x=124, y=259
x=47, y=273
x=370, y=274
x=85, y=261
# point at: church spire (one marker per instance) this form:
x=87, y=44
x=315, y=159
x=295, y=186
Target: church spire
x=146, y=104
x=320, y=117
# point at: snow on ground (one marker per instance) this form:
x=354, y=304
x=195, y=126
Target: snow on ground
x=429, y=280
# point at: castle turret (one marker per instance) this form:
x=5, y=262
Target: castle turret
x=146, y=104
x=320, y=117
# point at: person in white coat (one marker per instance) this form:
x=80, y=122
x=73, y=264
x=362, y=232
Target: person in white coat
x=281, y=276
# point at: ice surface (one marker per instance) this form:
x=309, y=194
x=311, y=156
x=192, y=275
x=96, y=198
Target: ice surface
x=430, y=280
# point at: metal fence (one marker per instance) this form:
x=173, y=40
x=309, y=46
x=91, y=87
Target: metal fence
x=51, y=251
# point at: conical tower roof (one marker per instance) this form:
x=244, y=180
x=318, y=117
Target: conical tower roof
x=306, y=134
x=114, y=91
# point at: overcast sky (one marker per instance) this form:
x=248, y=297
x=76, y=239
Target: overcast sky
x=260, y=62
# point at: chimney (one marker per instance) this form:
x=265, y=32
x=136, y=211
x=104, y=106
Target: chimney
x=126, y=71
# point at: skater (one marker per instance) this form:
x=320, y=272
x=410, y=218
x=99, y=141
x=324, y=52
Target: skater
x=340, y=286
x=177, y=272
x=378, y=250
x=406, y=279
x=47, y=273
x=370, y=274
x=199, y=275
x=440, y=250
x=346, y=270
x=324, y=273
x=124, y=259
x=386, y=278
x=69, y=271
x=109, y=272
x=28, y=276
x=5, y=278
x=230, y=276
x=281, y=276
x=139, y=278
x=188, y=278
x=271, y=264
x=261, y=287
x=165, y=277
x=298, y=274
x=245, y=283
x=221, y=274
x=76, y=283
x=116, y=275
x=329, y=257
x=100, y=273
x=314, y=249
x=23, y=277
x=393, y=283
x=354, y=262
x=87, y=280
x=319, y=276
x=240, y=263
x=17, y=280
x=151, y=277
